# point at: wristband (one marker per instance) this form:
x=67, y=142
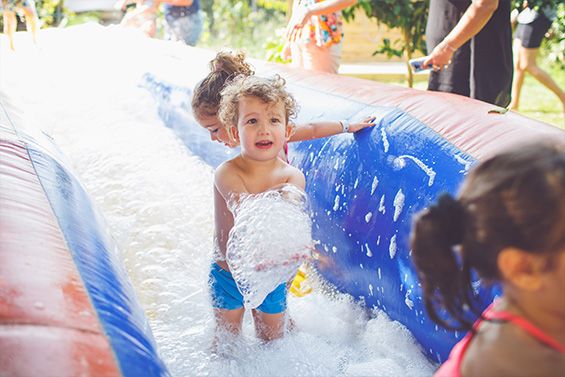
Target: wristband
x=344, y=126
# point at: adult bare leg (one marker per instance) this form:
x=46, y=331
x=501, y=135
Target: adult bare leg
x=31, y=22
x=10, y=24
x=519, y=75
x=542, y=76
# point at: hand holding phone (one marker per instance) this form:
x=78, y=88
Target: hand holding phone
x=417, y=65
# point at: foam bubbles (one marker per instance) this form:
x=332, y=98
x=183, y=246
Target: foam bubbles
x=398, y=204
x=270, y=238
x=157, y=200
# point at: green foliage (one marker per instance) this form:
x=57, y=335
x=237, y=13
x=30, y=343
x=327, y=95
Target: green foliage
x=240, y=25
x=278, y=5
x=273, y=47
x=407, y=15
x=50, y=12
x=554, y=46
x=84, y=17
x=536, y=4
x=390, y=49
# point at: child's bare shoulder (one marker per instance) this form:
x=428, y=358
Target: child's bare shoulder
x=295, y=176
x=227, y=178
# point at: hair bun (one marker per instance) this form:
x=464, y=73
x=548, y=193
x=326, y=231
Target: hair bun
x=217, y=65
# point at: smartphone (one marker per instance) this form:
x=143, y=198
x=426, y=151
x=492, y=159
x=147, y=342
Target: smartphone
x=417, y=64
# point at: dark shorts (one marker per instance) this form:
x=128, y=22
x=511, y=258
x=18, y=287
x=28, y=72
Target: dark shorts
x=225, y=294
x=533, y=33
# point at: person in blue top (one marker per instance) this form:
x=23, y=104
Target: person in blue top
x=184, y=21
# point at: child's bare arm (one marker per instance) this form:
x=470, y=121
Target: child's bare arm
x=318, y=130
x=223, y=222
x=227, y=186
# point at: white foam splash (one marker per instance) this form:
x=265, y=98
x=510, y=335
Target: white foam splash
x=392, y=247
x=398, y=204
x=466, y=163
x=260, y=253
x=400, y=163
x=374, y=184
x=141, y=178
x=382, y=208
x=369, y=252
x=336, y=203
x=385, y=140
x=407, y=299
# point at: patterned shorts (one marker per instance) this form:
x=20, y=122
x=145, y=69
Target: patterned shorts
x=15, y=5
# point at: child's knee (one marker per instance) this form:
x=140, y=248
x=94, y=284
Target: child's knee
x=269, y=326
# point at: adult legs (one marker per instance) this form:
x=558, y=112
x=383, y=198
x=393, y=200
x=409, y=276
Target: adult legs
x=316, y=58
x=519, y=75
x=31, y=21
x=529, y=64
x=10, y=24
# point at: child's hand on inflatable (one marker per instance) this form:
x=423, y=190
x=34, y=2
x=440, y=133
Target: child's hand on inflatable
x=367, y=122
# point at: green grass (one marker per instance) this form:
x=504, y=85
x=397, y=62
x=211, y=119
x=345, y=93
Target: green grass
x=536, y=102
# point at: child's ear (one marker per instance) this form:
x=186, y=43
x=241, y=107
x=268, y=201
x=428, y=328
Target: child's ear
x=522, y=269
x=290, y=130
x=234, y=133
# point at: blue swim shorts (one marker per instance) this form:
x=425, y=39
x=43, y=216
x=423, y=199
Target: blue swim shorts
x=225, y=294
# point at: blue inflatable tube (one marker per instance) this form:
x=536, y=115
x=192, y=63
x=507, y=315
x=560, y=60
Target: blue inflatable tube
x=66, y=305
x=365, y=188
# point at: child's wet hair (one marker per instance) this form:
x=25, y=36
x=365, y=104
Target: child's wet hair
x=271, y=91
x=515, y=199
x=224, y=68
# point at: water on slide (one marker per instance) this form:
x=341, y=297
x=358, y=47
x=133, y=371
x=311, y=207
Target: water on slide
x=81, y=85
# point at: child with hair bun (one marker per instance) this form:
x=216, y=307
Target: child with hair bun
x=224, y=68
x=508, y=226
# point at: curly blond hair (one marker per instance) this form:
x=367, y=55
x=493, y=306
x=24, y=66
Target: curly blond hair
x=270, y=91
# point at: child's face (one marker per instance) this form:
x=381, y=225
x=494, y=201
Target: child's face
x=217, y=131
x=262, y=129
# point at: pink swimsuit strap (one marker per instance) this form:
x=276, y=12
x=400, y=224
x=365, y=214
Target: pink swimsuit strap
x=528, y=327
x=452, y=367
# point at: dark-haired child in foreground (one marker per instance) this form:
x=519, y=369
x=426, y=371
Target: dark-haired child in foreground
x=508, y=226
